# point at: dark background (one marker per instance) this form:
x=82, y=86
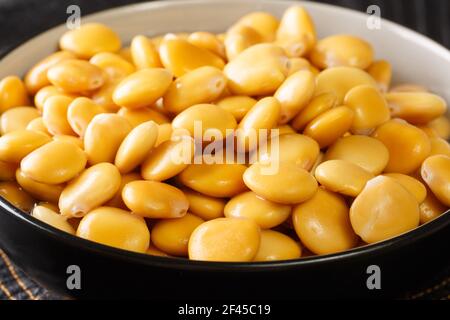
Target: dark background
x=22, y=19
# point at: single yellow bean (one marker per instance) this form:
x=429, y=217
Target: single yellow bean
x=430, y=208
x=113, y=64
x=72, y=139
x=202, y=85
x=366, y=152
x=277, y=246
x=180, y=56
x=90, y=39
x=17, y=118
x=38, y=125
x=116, y=228
x=342, y=176
x=414, y=186
x=298, y=184
x=238, y=38
x=14, y=146
x=342, y=50
x=138, y=116
x=416, y=107
x=153, y=199
x=103, y=137
x=408, y=145
x=92, y=188
x=225, y=239
x=439, y=146
x=40, y=191
x=142, y=88
x=442, y=127
x=330, y=125
x=48, y=91
x=54, y=115
x=381, y=72
x=435, y=172
x=265, y=213
x=172, y=235
x=144, y=53
x=52, y=218
x=238, y=106
x=80, y=112
x=384, y=209
x=339, y=80
x=104, y=96
x=54, y=163
x=208, y=41
x=168, y=159
x=75, y=76
x=315, y=107
x=12, y=192
x=295, y=93
x=136, y=146
x=296, y=32
x=323, y=225
x=12, y=93
x=369, y=107
x=204, y=206
x=247, y=76
x=263, y=22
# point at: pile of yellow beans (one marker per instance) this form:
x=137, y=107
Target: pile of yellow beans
x=89, y=134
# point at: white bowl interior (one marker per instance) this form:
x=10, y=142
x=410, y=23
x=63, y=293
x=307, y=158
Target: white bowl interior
x=414, y=57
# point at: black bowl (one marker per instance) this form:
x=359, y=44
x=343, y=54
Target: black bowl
x=46, y=254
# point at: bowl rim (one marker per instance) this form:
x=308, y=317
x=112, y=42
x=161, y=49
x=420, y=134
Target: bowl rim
x=404, y=239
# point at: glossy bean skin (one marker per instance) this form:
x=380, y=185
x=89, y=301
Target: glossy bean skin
x=7, y=171
x=298, y=184
x=215, y=180
x=202, y=85
x=17, y=118
x=208, y=41
x=210, y=116
x=342, y=50
x=265, y=213
x=172, y=235
x=90, y=39
x=383, y=209
x=142, y=88
x=103, y=137
x=12, y=192
x=295, y=148
x=295, y=93
x=225, y=239
x=135, y=147
x=342, y=176
x=14, y=146
x=75, y=76
x=179, y=56
x=265, y=114
x=435, y=172
x=80, y=112
x=296, y=32
x=366, y=152
x=117, y=201
x=144, y=53
x=54, y=115
x=330, y=125
x=416, y=107
x=246, y=76
x=339, y=80
x=168, y=159
x=54, y=163
x=104, y=96
x=238, y=38
x=38, y=125
x=275, y=246
x=431, y=208
x=442, y=127
x=113, y=65
x=153, y=199
x=262, y=22
x=238, y=106
x=116, y=228
x=92, y=188
x=12, y=93
x=381, y=72
x=439, y=146
x=48, y=91
x=318, y=105
x=52, y=218
x=403, y=141
x=369, y=107
x=414, y=186
x=204, y=206
x=322, y=223
x=138, y=116
x=40, y=191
